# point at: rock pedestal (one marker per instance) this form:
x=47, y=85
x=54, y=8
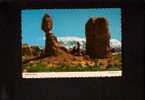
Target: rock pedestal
x=97, y=38
x=51, y=44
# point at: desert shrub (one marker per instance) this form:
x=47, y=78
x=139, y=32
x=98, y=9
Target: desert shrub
x=59, y=68
x=115, y=67
x=37, y=68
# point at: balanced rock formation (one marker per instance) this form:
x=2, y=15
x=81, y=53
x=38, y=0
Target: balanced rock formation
x=97, y=38
x=52, y=46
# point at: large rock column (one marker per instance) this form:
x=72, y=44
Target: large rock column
x=97, y=38
x=52, y=46
x=51, y=42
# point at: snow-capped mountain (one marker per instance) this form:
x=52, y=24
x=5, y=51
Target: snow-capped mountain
x=70, y=42
x=115, y=44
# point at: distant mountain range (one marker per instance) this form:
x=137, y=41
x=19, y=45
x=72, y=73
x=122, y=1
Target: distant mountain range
x=70, y=42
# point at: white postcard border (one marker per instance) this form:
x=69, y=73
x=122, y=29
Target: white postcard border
x=27, y=75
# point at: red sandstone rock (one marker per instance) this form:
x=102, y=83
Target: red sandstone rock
x=30, y=51
x=46, y=23
x=52, y=46
x=98, y=38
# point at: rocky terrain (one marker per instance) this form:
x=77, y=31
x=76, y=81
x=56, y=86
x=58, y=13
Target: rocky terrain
x=96, y=52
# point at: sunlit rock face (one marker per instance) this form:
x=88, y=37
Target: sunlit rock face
x=97, y=37
x=30, y=51
x=47, y=23
x=52, y=46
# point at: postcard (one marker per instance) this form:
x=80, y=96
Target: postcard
x=71, y=43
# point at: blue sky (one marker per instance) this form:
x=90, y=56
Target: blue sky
x=66, y=22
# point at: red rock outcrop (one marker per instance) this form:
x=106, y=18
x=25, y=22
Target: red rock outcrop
x=97, y=38
x=52, y=46
x=30, y=50
x=76, y=50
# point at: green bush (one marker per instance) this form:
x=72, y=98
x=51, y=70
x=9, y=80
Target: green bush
x=59, y=68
